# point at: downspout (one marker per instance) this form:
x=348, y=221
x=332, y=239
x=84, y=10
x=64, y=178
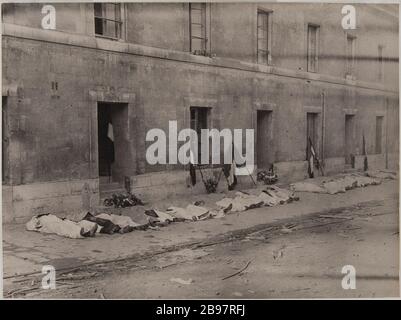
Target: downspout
x=386, y=133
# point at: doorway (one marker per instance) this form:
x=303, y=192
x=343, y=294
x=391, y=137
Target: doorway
x=264, y=151
x=312, y=133
x=113, y=142
x=349, y=139
x=379, y=134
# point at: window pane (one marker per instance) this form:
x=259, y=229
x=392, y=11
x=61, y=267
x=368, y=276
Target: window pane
x=98, y=9
x=196, y=44
x=196, y=5
x=112, y=29
x=196, y=16
x=197, y=31
x=98, y=26
x=263, y=35
x=110, y=11
x=262, y=57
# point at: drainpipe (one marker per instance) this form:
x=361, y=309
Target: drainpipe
x=386, y=133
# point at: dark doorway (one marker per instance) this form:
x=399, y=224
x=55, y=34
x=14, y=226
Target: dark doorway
x=379, y=134
x=200, y=117
x=311, y=132
x=263, y=139
x=113, y=139
x=105, y=140
x=349, y=138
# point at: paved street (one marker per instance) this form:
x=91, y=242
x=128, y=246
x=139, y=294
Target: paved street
x=292, y=256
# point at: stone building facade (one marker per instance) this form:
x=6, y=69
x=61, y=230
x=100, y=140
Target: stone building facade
x=285, y=70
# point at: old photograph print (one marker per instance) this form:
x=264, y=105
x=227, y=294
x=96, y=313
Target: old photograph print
x=203, y=150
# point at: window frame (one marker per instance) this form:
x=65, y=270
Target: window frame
x=269, y=23
x=350, y=56
x=205, y=29
x=309, y=68
x=119, y=22
x=380, y=60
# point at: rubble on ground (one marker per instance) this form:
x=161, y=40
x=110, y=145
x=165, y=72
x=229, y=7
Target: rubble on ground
x=123, y=200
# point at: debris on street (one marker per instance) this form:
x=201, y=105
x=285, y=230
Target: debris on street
x=238, y=272
x=268, y=177
x=182, y=281
x=123, y=201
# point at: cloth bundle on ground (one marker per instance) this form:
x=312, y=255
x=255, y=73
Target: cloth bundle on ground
x=49, y=223
x=271, y=196
x=336, y=185
x=112, y=223
x=341, y=185
x=380, y=174
x=306, y=186
x=283, y=195
x=191, y=212
x=159, y=217
x=241, y=202
x=123, y=201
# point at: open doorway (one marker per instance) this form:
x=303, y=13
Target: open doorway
x=113, y=148
x=349, y=139
x=263, y=139
x=312, y=133
x=379, y=134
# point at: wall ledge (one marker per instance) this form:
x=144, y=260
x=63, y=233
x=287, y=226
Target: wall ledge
x=92, y=42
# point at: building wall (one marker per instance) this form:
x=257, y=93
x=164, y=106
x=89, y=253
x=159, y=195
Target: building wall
x=52, y=81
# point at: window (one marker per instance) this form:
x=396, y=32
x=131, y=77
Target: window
x=351, y=40
x=313, y=47
x=264, y=37
x=379, y=134
x=108, y=20
x=380, y=62
x=199, y=121
x=198, y=28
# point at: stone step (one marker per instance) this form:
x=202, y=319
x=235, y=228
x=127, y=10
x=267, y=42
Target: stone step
x=104, y=180
x=108, y=193
x=349, y=169
x=110, y=186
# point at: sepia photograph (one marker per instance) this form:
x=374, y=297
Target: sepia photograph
x=200, y=150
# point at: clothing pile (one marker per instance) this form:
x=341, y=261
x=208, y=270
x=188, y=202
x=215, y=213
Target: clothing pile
x=336, y=185
x=123, y=201
x=268, y=177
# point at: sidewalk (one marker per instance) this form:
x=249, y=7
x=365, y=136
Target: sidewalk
x=26, y=252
